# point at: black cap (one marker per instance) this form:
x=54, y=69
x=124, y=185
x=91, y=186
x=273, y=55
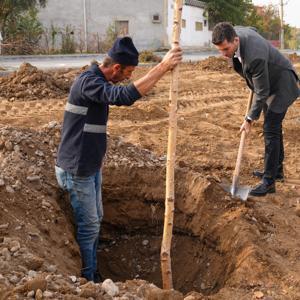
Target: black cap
x=124, y=52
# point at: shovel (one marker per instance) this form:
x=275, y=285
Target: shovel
x=236, y=190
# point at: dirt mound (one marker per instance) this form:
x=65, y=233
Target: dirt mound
x=29, y=83
x=37, y=246
x=214, y=63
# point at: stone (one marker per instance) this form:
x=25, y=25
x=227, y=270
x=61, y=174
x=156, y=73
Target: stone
x=30, y=294
x=51, y=268
x=145, y=242
x=4, y=226
x=152, y=292
x=2, y=183
x=39, y=153
x=37, y=283
x=14, y=246
x=17, y=186
x=73, y=278
x=17, y=148
x=38, y=295
x=110, y=288
x=190, y=298
x=33, y=262
x=8, y=145
x=14, y=279
x=88, y=290
x=32, y=273
x=33, y=178
x=258, y=295
x=9, y=189
x=48, y=294
x=6, y=254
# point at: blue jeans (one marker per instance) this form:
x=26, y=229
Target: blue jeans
x=86, y=201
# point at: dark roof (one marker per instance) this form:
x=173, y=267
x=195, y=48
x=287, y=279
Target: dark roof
x=195, y=3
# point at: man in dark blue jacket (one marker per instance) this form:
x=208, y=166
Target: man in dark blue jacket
x=275, y=84
x=83, y=141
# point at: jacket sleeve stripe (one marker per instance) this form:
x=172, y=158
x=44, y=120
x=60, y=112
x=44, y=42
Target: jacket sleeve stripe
x=75, y=109
x=94, y=128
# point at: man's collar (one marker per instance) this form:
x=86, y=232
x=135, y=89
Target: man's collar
x=238, y=52
x=96, y=69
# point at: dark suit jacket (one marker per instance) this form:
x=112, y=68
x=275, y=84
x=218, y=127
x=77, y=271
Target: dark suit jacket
x=267, y=72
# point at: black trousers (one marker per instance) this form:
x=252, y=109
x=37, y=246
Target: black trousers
x=274, y=149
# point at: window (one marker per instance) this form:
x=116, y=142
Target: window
x=155, y=18
x=198, y=26
x=183, y=23
x=122, y=27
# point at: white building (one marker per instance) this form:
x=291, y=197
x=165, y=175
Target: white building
x=148, y=22
x=195, y=32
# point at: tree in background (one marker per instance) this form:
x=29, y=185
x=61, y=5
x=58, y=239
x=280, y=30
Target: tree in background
x=265, y=19
x=294, y=41
x=234, y=11
x=19, y=25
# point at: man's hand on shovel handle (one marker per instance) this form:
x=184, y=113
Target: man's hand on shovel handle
x=246, y=126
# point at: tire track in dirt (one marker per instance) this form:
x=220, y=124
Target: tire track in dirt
x=30, y=108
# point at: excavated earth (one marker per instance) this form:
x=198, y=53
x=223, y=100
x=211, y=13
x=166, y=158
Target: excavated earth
x=222, y=248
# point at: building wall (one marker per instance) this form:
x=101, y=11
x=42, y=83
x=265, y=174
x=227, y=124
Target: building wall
x=100, y=14
x=190, y=38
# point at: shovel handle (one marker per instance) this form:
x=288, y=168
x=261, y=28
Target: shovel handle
x=241, y=149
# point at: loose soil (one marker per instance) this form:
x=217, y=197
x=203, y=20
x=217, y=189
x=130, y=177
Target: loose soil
x=222, y=248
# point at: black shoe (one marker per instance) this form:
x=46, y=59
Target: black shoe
x=260, y=174
x=262, y=189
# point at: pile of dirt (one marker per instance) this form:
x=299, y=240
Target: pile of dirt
x=29, y=83
x=214, y=63
x=39, y=256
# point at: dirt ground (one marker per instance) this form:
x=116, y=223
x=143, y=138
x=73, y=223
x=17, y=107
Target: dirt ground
x=222, y=248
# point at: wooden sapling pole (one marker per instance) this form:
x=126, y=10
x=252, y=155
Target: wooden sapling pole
x=165, y=255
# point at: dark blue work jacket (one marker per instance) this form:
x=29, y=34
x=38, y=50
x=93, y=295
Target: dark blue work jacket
x=83, y=141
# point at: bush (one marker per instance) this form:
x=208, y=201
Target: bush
x=67, y=40
x=23, y=33
x=110, y=36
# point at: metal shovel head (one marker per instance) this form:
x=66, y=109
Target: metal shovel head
x=241, y=192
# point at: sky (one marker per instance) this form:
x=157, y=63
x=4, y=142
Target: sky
x=291, y=10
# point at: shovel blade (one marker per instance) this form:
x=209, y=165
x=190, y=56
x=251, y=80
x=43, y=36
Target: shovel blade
x=241, y=192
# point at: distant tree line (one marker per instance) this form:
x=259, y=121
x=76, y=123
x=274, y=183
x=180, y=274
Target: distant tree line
x=265, y=19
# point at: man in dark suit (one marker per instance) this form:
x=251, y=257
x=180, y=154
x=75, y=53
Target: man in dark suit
x=275, y=84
